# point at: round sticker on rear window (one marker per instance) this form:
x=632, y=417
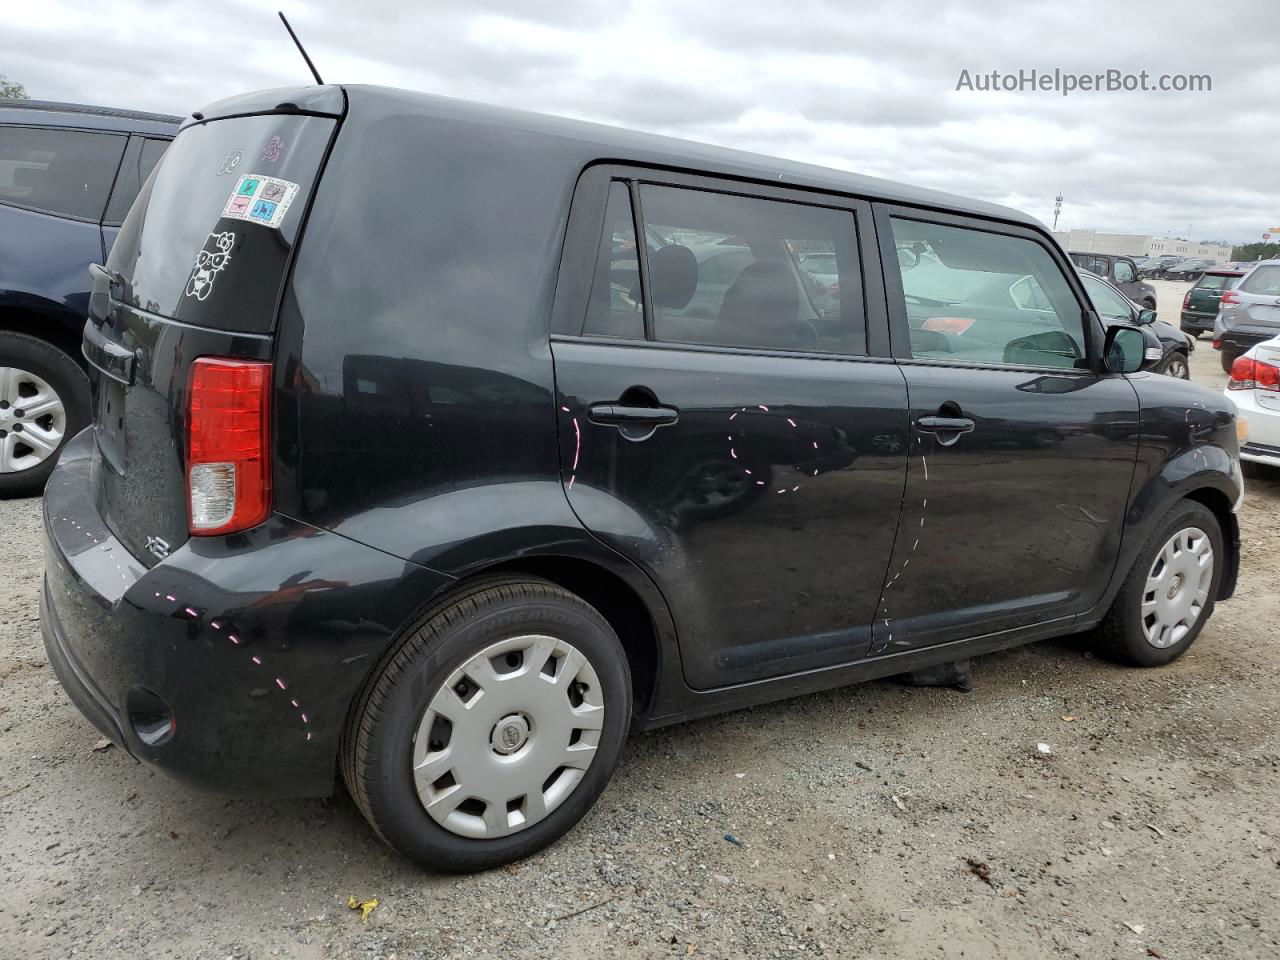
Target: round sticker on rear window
x=260, y=199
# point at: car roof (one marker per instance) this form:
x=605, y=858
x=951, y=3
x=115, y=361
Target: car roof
x=594, y=142
x=48, y=113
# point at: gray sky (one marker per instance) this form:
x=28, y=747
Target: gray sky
x=861, y=86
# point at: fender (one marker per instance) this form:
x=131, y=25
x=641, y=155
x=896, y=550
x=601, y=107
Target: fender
x=1187, y=449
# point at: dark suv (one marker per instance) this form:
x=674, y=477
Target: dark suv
x=68, y=175
x=1120, y=271
x=420, y=454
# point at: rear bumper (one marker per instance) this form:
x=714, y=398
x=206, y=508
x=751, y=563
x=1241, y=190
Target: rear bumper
x=255, y=644
x=1200, y=322
x=1262, y=444
x=1239, y=340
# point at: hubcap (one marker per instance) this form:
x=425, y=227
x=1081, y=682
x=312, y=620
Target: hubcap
x=1177, y=587
x=507, y=736
x=33, y=420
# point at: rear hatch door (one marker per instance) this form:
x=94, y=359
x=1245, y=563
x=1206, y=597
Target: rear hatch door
x=196, y=270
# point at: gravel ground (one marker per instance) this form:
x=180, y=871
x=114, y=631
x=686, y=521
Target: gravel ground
x=875, y=821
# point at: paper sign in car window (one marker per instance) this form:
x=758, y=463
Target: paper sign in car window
x=259, y=199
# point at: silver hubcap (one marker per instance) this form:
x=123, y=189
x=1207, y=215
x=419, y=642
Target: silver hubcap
x=33, y=421
x=1177, y=587
x=508, y=736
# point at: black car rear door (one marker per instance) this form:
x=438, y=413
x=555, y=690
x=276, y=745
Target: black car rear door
x=748, y=448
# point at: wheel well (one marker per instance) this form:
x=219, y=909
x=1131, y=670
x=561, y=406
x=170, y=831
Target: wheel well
x=50, y=329
x=617, y=602
x=1220, y=504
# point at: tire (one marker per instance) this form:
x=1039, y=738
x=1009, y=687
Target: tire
x=1227, y=360
x=32, y=369
x=1178, y=367
x=383, y=730
x=1149, y=303
x=1123, y=634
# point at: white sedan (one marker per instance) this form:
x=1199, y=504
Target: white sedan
x=1255, y=388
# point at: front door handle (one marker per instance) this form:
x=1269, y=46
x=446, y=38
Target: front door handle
x=945, y=424
x=616, y=414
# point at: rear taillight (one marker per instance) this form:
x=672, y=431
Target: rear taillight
x=1250, y=374
x=228, y=438
x=1217, y=344
x=1228, y=297
x=1186, y=301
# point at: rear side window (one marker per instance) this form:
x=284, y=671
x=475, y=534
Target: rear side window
x=1263, y=281
x=979, y=297
x=209, y=237
x=614, y=308
x=730, y=271
x=139, y=160
x=68, y=172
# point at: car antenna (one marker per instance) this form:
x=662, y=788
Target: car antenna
x=314, y=72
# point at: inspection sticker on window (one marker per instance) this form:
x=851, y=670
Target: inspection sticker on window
x=260, y=199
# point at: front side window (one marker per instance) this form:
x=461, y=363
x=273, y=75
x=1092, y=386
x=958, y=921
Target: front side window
x=978, y=297
x=68, y=172
x=746, y=272
x=1264, y=281
x=1124, y=272
x=1107, y=300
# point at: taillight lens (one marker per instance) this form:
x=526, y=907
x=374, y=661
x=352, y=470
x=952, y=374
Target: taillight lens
x=228, y=440
x=1250, y=374
x=1228, y=297
x=1186, y=301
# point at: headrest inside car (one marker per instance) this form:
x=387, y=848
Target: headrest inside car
x=673, y=276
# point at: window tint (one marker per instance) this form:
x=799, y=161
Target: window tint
x=729, y=271
x=1124, y=272
x=615, y=307
x=59, y=171
x=1217, y=281
x=983, y=297
x=139, y=160
x=1264, y=281
x=1107, y=300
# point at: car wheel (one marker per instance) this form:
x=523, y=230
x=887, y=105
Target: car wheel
x=1169, y=592
x=1149, y=303
x=491, y=729
x=44, y=401
x=1178, y=367
x=1227, y=360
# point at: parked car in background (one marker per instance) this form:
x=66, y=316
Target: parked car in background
x=1200, y=305
x=1122, y=271
x=1254, y=387
x=1249, y=313
x=401, y=488
x=1188, y=269
x=68, y=175
x=1112, y=305
x=1158, y=265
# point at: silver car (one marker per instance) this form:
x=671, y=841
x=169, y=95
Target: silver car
x=1250, y=313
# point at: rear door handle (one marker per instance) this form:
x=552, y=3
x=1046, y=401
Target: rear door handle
x=618, y=415
x=945, y=424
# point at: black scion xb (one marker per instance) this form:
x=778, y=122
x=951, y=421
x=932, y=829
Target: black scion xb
x=438, y=446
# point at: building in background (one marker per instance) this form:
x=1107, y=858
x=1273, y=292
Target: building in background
x=1139, y=245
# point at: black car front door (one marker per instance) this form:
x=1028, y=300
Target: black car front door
x=746, y=449
x=1021, y=456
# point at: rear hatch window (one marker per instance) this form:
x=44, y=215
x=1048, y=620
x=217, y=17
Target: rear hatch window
x=209, y=237
x=1217, y=281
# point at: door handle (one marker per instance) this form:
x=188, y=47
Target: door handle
x=616, y=414
x=945, y=424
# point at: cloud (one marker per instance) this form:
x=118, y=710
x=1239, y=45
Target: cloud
x=870, y=88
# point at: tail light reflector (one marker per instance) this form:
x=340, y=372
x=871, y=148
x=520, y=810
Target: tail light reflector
x=228, y=442
x=1250, y=374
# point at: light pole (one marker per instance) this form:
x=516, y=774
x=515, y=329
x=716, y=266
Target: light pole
x=1057, y=209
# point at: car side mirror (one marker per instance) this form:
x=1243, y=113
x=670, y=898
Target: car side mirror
x=1146, y=316
x=1124, y=349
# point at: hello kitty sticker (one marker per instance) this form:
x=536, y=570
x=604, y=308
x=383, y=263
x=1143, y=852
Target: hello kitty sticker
x=260, y=199
x=210, y=261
